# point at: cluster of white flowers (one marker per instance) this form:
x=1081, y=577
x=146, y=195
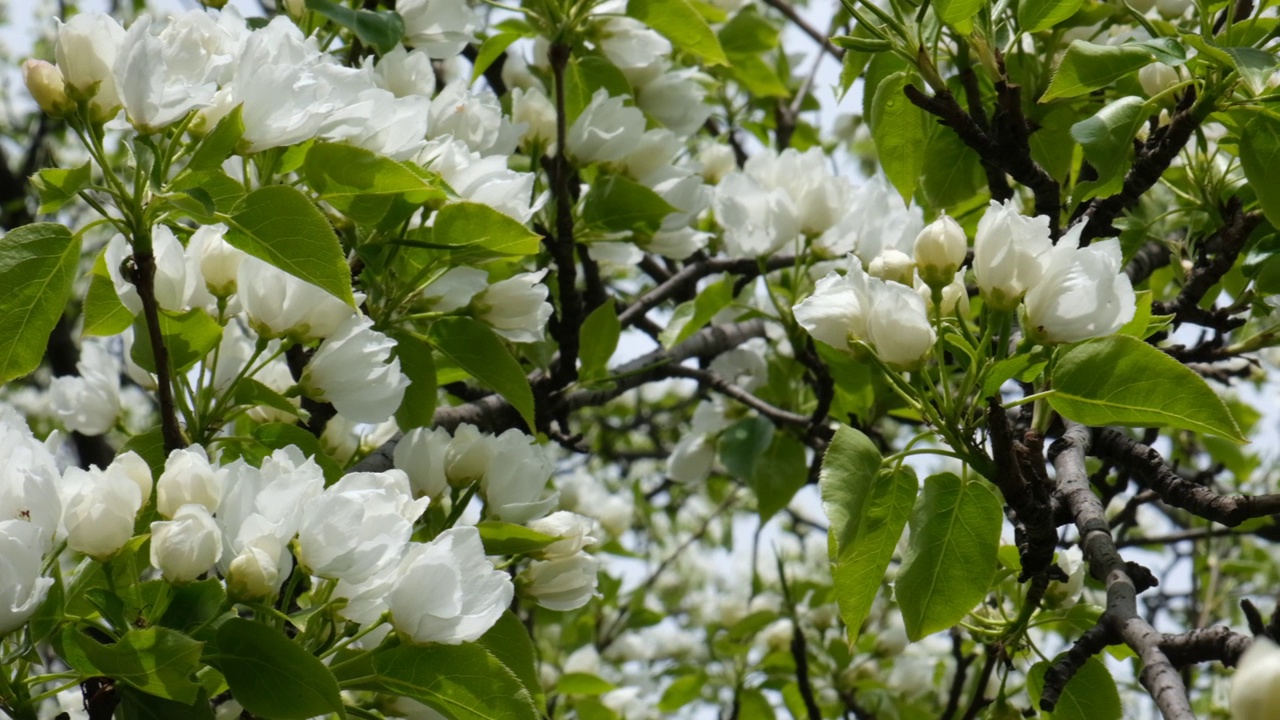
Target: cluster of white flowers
x=1068, y=293
x=512, y=473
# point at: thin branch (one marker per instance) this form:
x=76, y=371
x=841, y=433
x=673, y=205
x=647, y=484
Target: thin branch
x=728, y=389
x=818, y=36
x=1147, y=464
x=144, y=279
x=568, y=318
x=687, y=280
x=494, y=414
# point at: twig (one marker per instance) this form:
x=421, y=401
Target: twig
x=688, y=277
x=568, y=318
x=144, y=279
x=818, y=36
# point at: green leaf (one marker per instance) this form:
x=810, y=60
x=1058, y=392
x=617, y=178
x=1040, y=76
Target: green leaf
x=253, y=393
x=1255, y=66
x=779, y=473
x=38, y=264
x=379, y=30
x=758, y=77
x=469, y=226
x=508, y=641
x=280, y=225
x=219, y=186
x=748, y=34
x=680, y=23
x=599, y=337
x=150, y=447
x=492, y=47
x=901, y=132
x=221, y=141
x=418, y=408
x=867, y=510
x=1090, y=694
x=1037, y=15
x=474, y=347
x=104, y=314
x=955, y=533
x=684, y=690
x=958, y=13
x=464, y=682
x=581, y=683
x=135, y=705
x=188, y=336
x=273, y=676
x=504, y=538
x=952, y=171
x=1120, y=380
x=58, y=186
x=1260, y=158
x=156, y=660
x=1107, y=138
x=363, y=184
x=1008, y=369
x=1087, y=67
x=742, y=444
x=691, y=316
x=619, y=204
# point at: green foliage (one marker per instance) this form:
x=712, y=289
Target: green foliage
x=1120, y=380
x=158, y=661
x=188, y=335
x=478, y=350
x=380, y=30
x=1260, y=158
x=59, y=186
x=37, y=267
x=600, y=333
x=955, y=532
x=1087, y=67
x=617, y=204
x=470, y=228
x=867, y=509
x=279, y=225
x=901, y=132
x=273, y=677
x=465, y=682
x=682, y=25
x=364, y=185
x=504, y=538
x=1090, y=694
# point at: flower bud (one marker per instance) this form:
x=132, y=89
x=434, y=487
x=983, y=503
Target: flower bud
x=939, y=250
x=717, y=160
x=1255, y=688
x=562, y=584
x=574, y=531
x=254, y=574
x=421, y=453
x=893, y=266
x=87, y=46
x=187, y=546
x=188, y=478
x=1156, y=78
x=47, y=87
x=467, y=459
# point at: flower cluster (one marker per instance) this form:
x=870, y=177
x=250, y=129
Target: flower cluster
x=1068, y=293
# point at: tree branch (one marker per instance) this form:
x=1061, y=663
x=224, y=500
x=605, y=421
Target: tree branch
x=1158, y=676
x=144, y=279
x=494, y=414
x=1146, y=463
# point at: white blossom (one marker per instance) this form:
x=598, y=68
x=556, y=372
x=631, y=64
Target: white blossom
x=421, y=454
x=188, y=478
x=86, y=50
x=187, y=546
x=358, y=525
x=1009, y=254
x=939, y=250
x=515, y=481
x=441, y=28
x=29, y=479
x=89, y=403
x=1082, y=294
x=99, y=506
x=1255, y=687
x=280, y=304
x=516, y=308
x=354, y=370
x=574, y=530
x=605, y=131
x=562, y=584
x=22, y=587
x=447, y=591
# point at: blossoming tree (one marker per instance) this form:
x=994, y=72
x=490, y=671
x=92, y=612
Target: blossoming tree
x=552, y=359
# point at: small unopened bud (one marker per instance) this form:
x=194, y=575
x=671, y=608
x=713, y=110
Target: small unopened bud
x=893, y=266
x=1157, y=78
x=939, y=250
x=44, y=82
